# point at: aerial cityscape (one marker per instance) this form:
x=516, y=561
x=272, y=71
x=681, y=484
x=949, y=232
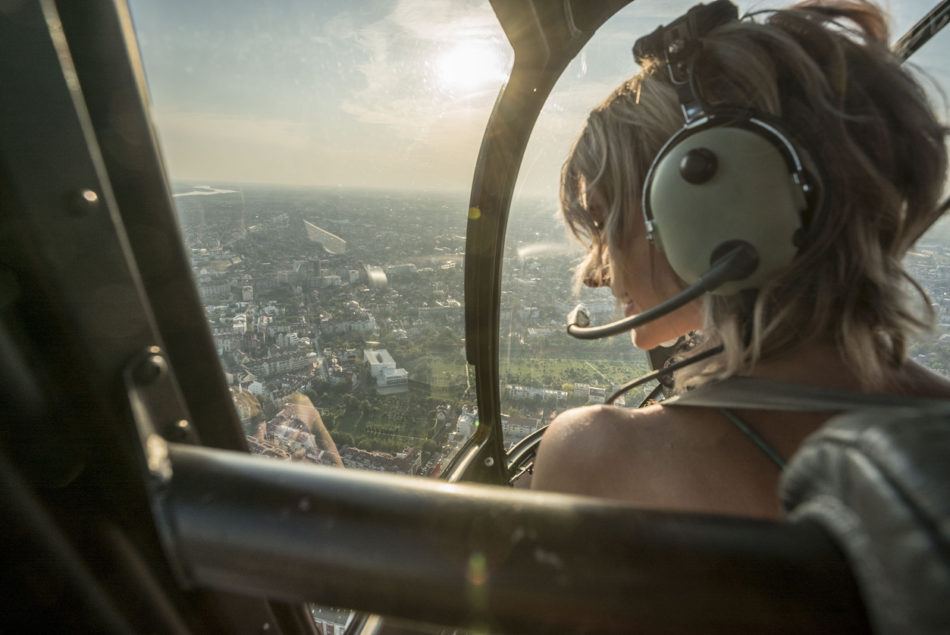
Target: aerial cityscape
x=353, y=300
x=338, y=318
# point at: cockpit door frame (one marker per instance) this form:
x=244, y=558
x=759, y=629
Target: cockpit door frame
x=545, y=37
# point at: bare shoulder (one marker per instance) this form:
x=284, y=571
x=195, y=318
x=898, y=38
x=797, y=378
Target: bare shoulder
x=585, y=449
x=690, y=459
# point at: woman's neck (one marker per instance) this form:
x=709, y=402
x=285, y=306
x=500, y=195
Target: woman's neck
x=816, y=364
x=821, y=364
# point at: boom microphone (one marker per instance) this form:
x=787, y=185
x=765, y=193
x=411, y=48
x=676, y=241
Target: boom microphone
x=738, y=263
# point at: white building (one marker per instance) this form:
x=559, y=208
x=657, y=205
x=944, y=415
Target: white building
x=288, y=339
x=376, y=277
x=466, y=423
x=239, y=324
x=516, y=428
x=382, y=367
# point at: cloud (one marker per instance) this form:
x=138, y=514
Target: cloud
x=398, y=65
x=445, y=21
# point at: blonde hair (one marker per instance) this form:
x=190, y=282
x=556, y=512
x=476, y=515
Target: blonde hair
x=868, y=133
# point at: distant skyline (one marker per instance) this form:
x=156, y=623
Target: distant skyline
x=373, y=94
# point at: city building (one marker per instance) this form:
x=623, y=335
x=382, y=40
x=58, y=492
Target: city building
x=376, y=277
x=285, y=363
x=409, y=461
x=467, y=422
x=389, y=379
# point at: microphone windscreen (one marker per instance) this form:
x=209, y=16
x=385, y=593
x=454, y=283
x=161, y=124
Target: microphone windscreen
x=579, y=316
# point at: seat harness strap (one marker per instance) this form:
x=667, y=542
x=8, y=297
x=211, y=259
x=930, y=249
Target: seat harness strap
x=763, y=394
x=756, y=393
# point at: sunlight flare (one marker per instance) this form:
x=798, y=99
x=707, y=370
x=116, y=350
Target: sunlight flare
x=471, y=65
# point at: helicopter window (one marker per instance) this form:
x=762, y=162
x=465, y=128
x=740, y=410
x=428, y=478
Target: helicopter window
x=542, y=370
x=929, y=261
x=320, y=156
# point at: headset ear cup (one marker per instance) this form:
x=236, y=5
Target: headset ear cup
x=657, y=239
x=719, y=184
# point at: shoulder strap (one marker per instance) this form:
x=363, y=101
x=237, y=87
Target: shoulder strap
x=764, y=394
x=755, y=437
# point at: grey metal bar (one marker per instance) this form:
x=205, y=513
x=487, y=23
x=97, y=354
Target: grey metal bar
x=490, y=557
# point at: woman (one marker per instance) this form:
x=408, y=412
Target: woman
x=838, y=316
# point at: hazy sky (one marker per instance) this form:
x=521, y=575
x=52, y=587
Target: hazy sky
x=390, y=94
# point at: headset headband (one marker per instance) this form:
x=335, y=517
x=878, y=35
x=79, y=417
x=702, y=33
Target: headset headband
x=728, y=176
x=678, y=45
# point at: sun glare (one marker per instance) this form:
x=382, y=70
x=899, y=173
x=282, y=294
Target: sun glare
x=470, y=66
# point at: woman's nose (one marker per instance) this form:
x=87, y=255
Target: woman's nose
x=597, y=277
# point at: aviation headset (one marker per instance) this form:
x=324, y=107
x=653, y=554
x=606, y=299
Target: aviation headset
x=728, y=177
x=725, y=197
